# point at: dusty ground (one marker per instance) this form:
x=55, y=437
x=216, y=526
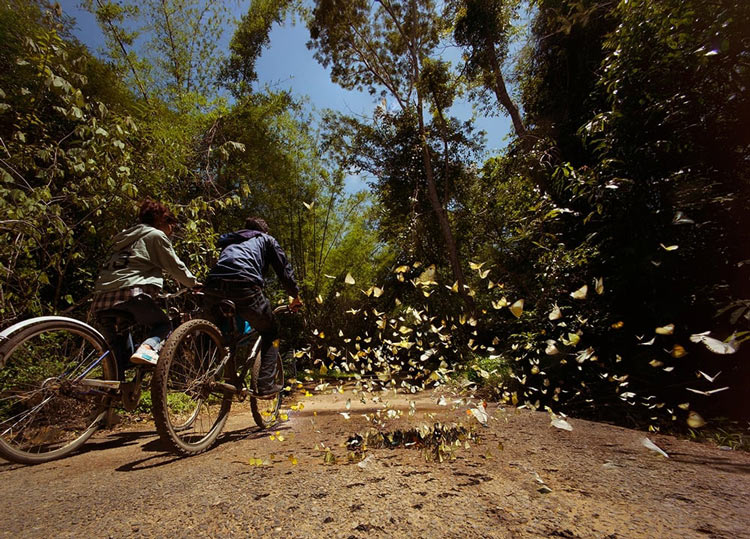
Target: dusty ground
x=523, y=478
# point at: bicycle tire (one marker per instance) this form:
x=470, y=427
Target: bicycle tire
x=47, y=410
x=266, y=412
x=189, y=412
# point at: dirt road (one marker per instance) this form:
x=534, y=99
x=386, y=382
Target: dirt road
x=522, y=478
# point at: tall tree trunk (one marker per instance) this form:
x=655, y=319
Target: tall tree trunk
x=538, y=174
x=432, y=194
x=445, y=226
x=501, y=92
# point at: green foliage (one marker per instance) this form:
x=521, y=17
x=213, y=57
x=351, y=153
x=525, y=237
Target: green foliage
x=252, y=34
x=655, y=185
x=587, y=257
x=65, y=164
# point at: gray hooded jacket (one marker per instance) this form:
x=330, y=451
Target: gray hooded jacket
x=139, y=255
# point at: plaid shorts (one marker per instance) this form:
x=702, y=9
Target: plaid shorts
x=107, y=300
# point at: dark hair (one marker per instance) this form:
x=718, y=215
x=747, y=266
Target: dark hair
x=155, y=213
x=256, y=223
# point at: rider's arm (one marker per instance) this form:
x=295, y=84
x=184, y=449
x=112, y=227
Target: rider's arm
x=163, y=255
x=281, y=266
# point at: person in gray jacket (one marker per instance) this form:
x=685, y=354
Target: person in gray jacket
x=131, y=278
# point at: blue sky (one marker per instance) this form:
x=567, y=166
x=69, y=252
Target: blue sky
x=288, y=64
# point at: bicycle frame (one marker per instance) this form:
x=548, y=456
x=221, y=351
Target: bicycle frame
x=234, y=341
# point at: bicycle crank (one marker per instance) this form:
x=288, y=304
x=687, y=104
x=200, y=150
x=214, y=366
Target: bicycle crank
x=131, y=391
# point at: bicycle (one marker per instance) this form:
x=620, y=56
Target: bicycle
x=200, y=363
x=59, y=383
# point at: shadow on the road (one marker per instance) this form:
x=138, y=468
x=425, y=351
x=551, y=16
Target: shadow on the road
x=722, y=464
x=116, y=439
x=111, y=441
x=156, y=446
x=140, y=464
x=10, y=466
x=249, y=433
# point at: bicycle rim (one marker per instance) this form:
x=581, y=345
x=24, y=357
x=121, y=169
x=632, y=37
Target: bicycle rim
x=47, y=410
x=266, y=412
x=189, y=411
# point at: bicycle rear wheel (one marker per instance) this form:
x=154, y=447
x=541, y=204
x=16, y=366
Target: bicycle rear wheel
x=266, y=412
x=50, y=401
x=189, y=408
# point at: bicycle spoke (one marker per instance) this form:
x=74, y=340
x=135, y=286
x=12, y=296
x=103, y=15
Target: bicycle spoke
x=189, y=410
x=44, y=411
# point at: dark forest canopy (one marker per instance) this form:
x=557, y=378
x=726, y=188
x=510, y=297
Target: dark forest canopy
x=579, y=269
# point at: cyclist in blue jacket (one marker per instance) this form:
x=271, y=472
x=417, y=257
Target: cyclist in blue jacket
x=238, y=276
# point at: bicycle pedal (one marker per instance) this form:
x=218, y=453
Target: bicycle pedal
x=227, y=387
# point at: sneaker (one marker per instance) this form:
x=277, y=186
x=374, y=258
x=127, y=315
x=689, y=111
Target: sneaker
x=267, y=392
x=145, y=355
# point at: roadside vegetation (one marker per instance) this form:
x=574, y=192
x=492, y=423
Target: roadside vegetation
x=598, y=265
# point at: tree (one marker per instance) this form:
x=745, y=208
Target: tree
x=382, y=47
x=247, y=43
x=168, y=48
x=483, y=28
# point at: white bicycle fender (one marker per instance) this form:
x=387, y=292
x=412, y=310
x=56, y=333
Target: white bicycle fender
x=7, y=332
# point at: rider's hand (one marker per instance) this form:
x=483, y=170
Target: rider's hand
x=295, y=305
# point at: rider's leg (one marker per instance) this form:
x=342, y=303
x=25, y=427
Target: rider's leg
x=147, y=312
x=117, y=342
x=257, y=311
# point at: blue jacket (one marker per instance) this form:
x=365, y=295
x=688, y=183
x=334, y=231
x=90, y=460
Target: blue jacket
x=245, y=256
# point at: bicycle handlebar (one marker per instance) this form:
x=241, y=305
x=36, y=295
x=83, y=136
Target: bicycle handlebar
x=172, y=295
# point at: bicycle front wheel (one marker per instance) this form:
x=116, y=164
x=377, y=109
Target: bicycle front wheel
x=190, y=408
x=266, y=412
x=51, y=397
